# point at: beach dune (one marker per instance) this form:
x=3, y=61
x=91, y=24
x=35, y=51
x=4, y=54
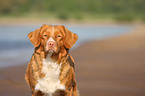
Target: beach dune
x=110, y=67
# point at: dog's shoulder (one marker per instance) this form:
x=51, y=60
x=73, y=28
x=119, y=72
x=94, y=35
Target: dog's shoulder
x=71, y=61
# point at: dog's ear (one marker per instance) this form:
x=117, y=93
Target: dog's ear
x=70, y=38
x=34, y=37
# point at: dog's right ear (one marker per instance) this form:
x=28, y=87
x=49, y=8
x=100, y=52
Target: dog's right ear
x=70, y=38
x=34, y=37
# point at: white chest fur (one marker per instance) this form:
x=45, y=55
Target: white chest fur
x=50, y=83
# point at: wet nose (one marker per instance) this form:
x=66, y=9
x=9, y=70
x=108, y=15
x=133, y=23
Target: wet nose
x=51, y=44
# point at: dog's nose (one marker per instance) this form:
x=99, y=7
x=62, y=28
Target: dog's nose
x=51, y=44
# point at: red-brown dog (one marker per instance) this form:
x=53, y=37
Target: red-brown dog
x=51, y=69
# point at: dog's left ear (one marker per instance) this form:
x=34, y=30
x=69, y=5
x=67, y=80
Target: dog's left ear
x=34, y=37
x=70, y=38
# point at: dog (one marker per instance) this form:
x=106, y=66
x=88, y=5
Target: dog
x=50, y=71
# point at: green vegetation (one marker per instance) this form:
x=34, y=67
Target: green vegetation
x=120, y=10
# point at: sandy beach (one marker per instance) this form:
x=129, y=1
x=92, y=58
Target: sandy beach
x=110, y=67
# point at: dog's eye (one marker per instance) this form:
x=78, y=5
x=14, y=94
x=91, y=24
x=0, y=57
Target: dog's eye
x=58, y=36
x=45, y=35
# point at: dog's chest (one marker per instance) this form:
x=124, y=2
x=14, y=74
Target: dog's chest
x=50, y=83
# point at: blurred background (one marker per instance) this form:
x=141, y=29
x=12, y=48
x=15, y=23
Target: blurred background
x=109, y=55
x=120, y=10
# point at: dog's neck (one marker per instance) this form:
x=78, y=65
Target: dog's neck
x=49, y=58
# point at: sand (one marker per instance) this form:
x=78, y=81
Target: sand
x=110, y=67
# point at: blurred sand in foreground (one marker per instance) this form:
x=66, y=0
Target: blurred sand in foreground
x=110, y=67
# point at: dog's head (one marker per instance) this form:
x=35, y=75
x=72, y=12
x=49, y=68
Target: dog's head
x=52, y=39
